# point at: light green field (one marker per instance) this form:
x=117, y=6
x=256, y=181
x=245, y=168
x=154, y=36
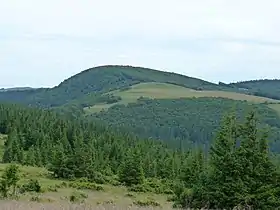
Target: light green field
x=169, y=91
x=276, y=107
x=110, y=198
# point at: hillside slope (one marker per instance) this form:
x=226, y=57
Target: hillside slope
x=155, y=90
x=103, y=79
x=266, y=88
x=185, y=121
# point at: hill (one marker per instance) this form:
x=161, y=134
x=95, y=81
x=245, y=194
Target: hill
x=265, y=88
x=100, y=80
x=93, y=82
x=15, y=89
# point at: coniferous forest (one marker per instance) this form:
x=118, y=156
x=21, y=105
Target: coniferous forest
x=237, y=171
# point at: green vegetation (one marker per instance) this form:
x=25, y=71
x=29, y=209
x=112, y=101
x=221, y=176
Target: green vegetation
x=239, y=173
x=46, y=190
x=185, y=122
x=113, y=156
x=265, y=88
x=81, y=149
x=2, y=141
x=100, y=80
x=168, y=91
x=111, y=88
x=81, y=157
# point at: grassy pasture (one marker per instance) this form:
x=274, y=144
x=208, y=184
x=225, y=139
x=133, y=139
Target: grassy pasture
x=112, y=197
x=275, y=107
x=168, y=91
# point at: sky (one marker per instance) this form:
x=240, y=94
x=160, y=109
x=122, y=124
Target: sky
x=44, y=42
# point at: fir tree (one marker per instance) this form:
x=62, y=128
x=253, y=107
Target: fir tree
x=131, y=172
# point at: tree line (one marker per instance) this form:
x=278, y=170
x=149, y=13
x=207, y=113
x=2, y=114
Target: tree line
x=78, y=148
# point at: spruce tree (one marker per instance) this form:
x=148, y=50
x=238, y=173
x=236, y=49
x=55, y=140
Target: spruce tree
x=12, y=150
x=9, y=178
x=224, y=186
x=131, y=172
x=30, y=157
x=260, y=176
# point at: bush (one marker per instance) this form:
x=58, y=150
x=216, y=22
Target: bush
x=61, y=185
x=130, y=195
x=137, y=188
x=98, y=178
x=146, y=203
x=36, y=198
x=114, y=182
x=78, y=196
x=33, y=185
x=183, y=197
x=52, y=189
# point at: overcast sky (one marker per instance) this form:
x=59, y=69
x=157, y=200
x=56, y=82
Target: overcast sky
x=42, y=42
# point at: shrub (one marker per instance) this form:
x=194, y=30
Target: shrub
x=110, y=202
x=146, y=203
x=114, y=182
x=36, y=198
x=130, y=195
x=77, y=196
x=137, y=188
x=98, y=178
x=33, y=185
x=86, y=185
x=52, y=189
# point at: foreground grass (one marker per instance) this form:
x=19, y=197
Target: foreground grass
x=168, y=91
x=16, y=205
x=56, y=194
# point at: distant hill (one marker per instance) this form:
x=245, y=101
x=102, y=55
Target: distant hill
x=156, y=104
x=16, y=89
x=265, y=88
x=103, y=79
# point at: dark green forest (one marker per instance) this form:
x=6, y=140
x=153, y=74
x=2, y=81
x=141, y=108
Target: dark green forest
x=238, y=171
x=265, y=88
x=185, y=122
x=75, y=149
x=180, y=122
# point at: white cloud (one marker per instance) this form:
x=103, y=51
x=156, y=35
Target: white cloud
x=213, y=39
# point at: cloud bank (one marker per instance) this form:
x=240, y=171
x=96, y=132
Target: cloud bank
x=44, y=42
